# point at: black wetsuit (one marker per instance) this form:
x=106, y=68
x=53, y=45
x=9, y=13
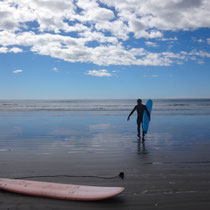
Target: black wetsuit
x=140, y=108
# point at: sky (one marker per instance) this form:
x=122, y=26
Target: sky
x=105, y=49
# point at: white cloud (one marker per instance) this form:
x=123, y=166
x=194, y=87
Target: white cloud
x=99, y=28
x=99, y=73
x=200, y=40
x=76, y=50
x=55, y=69
x=200, y=53
x=13, y=50
x=3, y=50
x=98, y=14
x=138, y=15
x=97, y=36
x=117, y=28
x=200, y=62
x=163, y=15
x=169, y=39
x=17, y=71
x=151, y=44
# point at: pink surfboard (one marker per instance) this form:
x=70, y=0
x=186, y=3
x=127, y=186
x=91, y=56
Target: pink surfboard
x=59, y=191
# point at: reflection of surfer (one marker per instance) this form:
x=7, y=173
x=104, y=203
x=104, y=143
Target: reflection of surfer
x=141, y=150
x=140, y=108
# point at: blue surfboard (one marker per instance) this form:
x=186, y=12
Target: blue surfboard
x=145, y=120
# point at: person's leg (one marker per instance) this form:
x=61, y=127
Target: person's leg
x=143, y=134
x=138, y=129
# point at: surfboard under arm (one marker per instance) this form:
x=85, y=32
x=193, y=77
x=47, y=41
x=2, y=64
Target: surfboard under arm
x=145, y=120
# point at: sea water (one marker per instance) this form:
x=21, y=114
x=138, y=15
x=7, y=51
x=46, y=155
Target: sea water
x=115, y=105
x=70, y=128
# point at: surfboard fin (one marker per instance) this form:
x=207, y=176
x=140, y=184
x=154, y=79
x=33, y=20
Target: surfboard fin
x=121, y=175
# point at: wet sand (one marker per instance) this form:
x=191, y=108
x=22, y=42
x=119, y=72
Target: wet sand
x=169, y=171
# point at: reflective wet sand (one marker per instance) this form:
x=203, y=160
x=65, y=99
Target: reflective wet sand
x=170, y=170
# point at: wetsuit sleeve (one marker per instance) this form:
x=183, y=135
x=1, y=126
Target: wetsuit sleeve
x=132, y=111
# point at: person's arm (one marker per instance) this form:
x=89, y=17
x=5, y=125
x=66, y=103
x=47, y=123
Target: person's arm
x=147, y=112
x=131, y=113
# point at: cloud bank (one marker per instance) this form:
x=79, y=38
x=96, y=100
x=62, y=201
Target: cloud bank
x=91, y=31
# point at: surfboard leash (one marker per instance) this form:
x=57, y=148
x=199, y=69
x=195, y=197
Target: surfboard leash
x=120, y=175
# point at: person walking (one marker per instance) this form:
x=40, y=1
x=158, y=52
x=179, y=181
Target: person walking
x=140, y=108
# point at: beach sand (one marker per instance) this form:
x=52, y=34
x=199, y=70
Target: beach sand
x=171, y=170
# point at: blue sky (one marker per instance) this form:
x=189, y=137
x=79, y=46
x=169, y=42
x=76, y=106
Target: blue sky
x=83, y=49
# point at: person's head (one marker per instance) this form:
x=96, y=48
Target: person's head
x=139, y=101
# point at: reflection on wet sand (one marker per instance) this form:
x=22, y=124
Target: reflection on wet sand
x=141, y=148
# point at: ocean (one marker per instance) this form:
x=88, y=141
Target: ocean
x=89, y=125
x=115, y=106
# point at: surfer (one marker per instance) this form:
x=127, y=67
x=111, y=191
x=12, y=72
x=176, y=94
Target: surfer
x=140, y=108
